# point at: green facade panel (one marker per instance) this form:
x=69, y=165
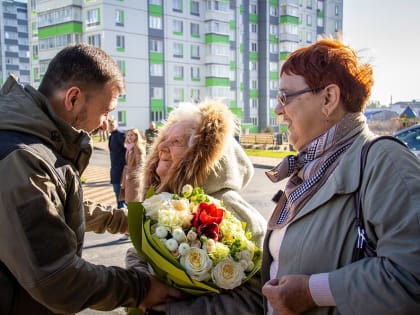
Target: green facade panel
x=287, y=19
x=61, y=29
x=217, y=38
x=156, y=105
x=156, y=58
x=155, y=10
x=212, y=81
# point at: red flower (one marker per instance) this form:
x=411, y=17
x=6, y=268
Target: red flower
x=207, y=219
x=211, y=230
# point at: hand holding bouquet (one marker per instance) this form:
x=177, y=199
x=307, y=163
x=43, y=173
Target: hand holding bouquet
x=192, y=242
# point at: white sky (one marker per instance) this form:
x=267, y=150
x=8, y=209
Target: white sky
x=388, y=32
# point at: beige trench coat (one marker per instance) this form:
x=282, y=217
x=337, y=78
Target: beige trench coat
x=131, y=178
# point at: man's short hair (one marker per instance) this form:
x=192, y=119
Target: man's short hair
x=81, y=65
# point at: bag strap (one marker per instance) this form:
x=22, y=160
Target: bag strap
x=364, y=248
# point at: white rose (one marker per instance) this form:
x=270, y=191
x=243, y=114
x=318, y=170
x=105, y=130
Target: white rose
x=197, y=264
x=228, y=274
x=153, y=204
x=180, y=205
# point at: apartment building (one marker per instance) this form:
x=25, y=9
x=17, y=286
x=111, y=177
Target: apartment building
x=14, y=49
x=186, y=50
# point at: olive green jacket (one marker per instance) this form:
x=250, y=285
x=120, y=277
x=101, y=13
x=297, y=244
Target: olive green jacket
x=322, y=236
x=42, y=222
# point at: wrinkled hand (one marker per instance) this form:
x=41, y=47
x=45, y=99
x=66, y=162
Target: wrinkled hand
x=290, y=295
x=159, y=293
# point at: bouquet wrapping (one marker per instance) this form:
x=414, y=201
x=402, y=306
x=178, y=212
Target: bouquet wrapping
x=191, y=241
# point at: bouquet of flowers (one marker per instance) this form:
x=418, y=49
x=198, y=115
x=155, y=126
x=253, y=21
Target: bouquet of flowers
x=192, y=241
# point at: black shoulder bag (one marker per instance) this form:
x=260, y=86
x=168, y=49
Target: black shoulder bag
x=364, y=247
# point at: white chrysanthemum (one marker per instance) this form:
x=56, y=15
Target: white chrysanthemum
x=155, y=203
x=228, y=274
x=179, y=235
x=197, y=264
x=171, y=244
x=209, y=245
x=161, y=231
x=191, y=235
x=183, y=248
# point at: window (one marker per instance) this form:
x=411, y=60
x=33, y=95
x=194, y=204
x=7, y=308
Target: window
x=253, y=28
x=309, y=4
x=195, y=73
x=178, y=72
x=121, y=66
x=195, y=52
x=35, y=51
x=309, y=37
x=274, y=48
x=95, y=40
x=155, y=22
x=253, y=9
x=156, y=45
x=309, y=20
x=254, y=84
x=156, y=93
x=253, y=46
x=195, y=8
x=92, y=17
x=195, y=30
x=177, y=26
x=119, y=17
x=274, y=11
x=178, y=50
x=319, y=22
x=156, y=70
x=195, y=95
x=253, y=65
x=120, y=42
x=273, y=66
x=157, y=2
x=177, y=5
x=178, y=95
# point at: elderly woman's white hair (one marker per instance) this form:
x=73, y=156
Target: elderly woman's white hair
x=214, y=125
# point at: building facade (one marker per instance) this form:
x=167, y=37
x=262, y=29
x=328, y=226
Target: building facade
x=185, y=50
x=14, y=44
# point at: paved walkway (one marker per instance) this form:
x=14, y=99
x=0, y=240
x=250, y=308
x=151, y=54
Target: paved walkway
x=98, y=188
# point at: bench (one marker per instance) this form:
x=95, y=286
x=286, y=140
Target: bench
x=258, y=138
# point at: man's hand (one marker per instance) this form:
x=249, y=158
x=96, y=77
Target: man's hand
x=159, y=293
x=290, y=295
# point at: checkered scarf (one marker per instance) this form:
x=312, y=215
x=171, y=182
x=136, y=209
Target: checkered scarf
x=310, y=169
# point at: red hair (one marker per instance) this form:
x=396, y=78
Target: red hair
x=329, y=61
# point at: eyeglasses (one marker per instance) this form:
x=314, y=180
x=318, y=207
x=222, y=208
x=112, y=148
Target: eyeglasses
x=282, y=96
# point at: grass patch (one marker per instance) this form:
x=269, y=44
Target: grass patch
x=269, y=153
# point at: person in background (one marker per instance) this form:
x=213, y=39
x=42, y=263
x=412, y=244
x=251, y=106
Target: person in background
x=196, y=146
x=307, y=257
x=151, y=134
x=45, y=145
x=117, y=155
x=131, y=179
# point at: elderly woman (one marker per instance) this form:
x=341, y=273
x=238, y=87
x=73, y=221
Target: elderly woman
x=197, y=146
x=308, y=265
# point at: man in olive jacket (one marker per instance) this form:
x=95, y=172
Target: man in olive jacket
x=44, y=148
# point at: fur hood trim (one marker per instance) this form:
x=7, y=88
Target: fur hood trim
x=214, y=129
